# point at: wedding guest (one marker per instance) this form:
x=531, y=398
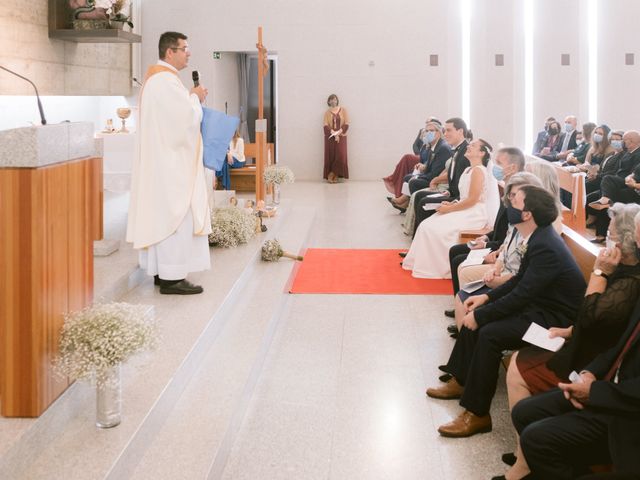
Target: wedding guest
x=546, y=290
x=336, y=124
x=235, y=159
x=408, y=163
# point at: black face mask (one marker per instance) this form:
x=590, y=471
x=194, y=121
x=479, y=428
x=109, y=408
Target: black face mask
x=514, y=215
x=554, y=131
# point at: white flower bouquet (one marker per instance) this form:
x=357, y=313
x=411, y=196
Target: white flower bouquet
x=278, y=174
x=272, y=251
x=231, y=226
x=102, y=336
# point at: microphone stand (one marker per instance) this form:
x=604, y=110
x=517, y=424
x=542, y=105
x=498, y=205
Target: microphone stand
x=42, y=119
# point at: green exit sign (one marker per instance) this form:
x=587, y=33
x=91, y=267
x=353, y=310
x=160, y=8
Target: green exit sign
x=216, y=55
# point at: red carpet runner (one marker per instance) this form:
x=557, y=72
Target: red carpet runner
x=344, y=271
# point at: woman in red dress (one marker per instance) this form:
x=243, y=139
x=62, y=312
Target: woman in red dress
x=336, y=124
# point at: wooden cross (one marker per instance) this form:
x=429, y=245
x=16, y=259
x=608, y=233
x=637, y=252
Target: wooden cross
x=261, y=137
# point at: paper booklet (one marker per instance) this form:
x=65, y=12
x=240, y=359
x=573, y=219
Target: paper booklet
x=476, y=257
x=436, y=195
x=431, y=206
x=473, y=286
x=539, y=336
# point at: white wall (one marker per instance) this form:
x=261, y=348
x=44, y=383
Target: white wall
x=326, y=47
x=22, y=111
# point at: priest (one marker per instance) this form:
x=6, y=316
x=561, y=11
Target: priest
x=169, y=216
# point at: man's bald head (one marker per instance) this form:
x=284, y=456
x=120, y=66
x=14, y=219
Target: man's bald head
x=572, y=120
x=631, y=140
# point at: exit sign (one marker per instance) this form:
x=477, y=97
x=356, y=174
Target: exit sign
x=216, y=55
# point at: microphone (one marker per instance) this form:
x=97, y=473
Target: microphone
x=195, y=75
x=42, y=119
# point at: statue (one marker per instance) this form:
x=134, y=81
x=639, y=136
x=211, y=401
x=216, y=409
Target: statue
x=87, y=10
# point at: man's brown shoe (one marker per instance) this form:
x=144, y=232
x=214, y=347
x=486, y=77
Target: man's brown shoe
x=465, y=425
x=449, y=391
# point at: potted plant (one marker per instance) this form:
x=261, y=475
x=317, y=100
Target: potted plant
x=93, y=344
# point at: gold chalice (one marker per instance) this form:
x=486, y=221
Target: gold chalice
x=123, y=114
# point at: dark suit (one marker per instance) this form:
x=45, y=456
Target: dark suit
x=547, y=290
x=559, y=441
x=628, y=162
x=459, y=253
x=434, y=161
x=541, y=141
x=458, y=165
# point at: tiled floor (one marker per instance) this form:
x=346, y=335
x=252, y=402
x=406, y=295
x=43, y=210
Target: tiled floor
x=342, y=392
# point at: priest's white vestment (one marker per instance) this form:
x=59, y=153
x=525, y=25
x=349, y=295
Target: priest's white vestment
x=169, y=217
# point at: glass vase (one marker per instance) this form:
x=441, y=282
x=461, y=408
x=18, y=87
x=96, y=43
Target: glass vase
x=275, y=194
x=108, y=399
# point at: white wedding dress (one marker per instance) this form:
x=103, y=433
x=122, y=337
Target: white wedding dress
x=428, y=256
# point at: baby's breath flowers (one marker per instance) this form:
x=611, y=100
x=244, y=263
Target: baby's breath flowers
x=272, y=251
x=102, y=336
x=278, y=174
x=231, y=226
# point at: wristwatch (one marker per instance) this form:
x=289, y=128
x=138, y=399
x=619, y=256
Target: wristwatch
x=600, y=273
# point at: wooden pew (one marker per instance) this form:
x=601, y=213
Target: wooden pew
x=244, y=179
x=573, y=183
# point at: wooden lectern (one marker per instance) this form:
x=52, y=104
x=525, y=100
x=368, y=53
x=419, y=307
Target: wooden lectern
x=51, y=200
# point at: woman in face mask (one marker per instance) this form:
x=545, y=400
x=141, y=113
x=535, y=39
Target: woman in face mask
x=610, y=298
x=336, y=124
x=552, y=144
x=599, y=219
x=600, y=146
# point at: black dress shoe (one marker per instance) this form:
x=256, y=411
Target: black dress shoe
x=450, y=313
x=452, y=328
x=156, y=280
x=445, y=378
x=509, y=459
x=402, y=254
x=183, y=287
x=454, y=335
x=499, y=477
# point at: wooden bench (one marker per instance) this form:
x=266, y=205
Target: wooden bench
x=244, y=179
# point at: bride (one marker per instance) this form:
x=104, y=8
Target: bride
x=428, y=256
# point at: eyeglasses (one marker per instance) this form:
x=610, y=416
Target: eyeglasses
x=184, y=49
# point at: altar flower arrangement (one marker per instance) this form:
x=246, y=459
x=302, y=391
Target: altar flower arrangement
x=231, y=226
x=276, y=174
x=272, y=252
x=102, y=336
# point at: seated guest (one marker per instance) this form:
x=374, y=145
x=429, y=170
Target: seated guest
x=433, y=159
x=541, y=139
x=552, y=143
x=501, y=264
x=508, y=161
x=569, y=140
x=611, y=295
x=608, y=166
x=579, y=155
x=476, y=208
x=409, y=219
x=408, y=162
x=456, y=134
x=235, y=159
x=546, y=290
x=631, y=143
x=593, y=420
x=600, y=146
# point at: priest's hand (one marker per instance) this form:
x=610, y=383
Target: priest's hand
x=201, y=92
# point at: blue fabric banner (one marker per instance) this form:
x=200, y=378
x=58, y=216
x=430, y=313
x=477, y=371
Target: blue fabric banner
x=217, y=130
